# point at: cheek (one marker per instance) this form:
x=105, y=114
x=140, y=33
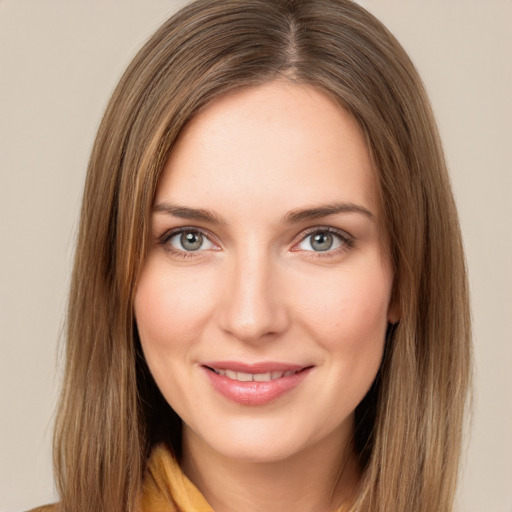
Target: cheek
x=347, y=312
x=170, y=307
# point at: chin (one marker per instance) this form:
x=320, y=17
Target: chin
x=259, y=450
x=257, y=441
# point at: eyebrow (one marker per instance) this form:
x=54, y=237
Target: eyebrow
x=303, y=214
x=184, y=212
x=292, y=217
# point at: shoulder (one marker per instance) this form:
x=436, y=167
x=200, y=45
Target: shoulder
x=45, y=508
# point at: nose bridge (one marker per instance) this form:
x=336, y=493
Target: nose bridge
x=253, y=307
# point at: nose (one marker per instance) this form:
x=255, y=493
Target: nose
x=254, y=305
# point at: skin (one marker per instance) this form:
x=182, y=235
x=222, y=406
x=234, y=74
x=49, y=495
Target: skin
x=256, y=290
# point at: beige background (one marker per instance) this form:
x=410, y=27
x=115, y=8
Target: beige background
x=59, y=61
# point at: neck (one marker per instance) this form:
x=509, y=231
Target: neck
x=319, y=479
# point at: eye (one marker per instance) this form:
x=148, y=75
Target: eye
x=324, y=240
x=188, y=240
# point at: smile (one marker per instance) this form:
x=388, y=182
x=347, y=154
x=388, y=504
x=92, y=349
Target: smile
x=254, y=384
x=256, y=377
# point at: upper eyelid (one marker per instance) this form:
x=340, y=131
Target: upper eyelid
x=164, y=241
x=346, y=241
x=169, y=233
x=318, y=229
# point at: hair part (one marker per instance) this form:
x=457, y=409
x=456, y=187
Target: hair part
x=409, y=427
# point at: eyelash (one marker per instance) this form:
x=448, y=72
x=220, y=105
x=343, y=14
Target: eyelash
x=168, y=235
x=346, y=241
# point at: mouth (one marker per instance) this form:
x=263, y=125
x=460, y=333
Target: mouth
x=254, y=384
x=254, y=377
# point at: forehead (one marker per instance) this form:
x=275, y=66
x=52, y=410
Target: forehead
x=278, y=143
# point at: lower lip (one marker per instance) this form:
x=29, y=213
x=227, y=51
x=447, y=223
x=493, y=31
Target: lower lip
x=255, y=392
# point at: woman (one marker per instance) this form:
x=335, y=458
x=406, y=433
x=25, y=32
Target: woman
x=269, y=305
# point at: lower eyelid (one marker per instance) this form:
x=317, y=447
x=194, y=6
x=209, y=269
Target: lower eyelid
x=204, y=241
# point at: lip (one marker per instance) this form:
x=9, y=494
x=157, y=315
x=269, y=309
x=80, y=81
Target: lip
x=254, y=392
x=257, y=367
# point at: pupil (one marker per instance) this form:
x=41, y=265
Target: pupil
x=191, y=241
x=322, y=241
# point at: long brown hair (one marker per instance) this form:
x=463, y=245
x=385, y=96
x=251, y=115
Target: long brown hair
x=408, y=427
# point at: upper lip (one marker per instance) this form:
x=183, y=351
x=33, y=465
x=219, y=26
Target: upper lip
x=256, y=367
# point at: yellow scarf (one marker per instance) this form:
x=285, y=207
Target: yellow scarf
x=166, y=489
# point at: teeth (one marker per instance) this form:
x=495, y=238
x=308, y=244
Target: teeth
x=230, y=374
x=244, y=377
x=262, y=377
x=257, y=377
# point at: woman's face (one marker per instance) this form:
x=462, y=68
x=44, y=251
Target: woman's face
x=263, y=304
